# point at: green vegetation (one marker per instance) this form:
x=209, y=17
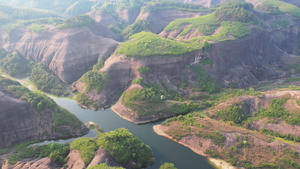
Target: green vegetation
x=37, y=28
x=236, y=29
x=277, y=110
x=84, y=100
x=277, y=6
x=231, y=93
x=298, y=102
x=78, y=21
x=144, y=70
x=233, y=113
x=215, y=137
x=150, y=101
x=167, y=166
x=231, y=18
x=94, y=80
x=235, y=11
x=136, y=27
x=292, y=79
x=167, y=4
x=80, y=7
x=108, y=8
x=104, y=166
x=187, y=120
x=44, y=80
x=15, y=66
x=277, y=24
x=283, y=136
x=12, y=86
x=205, y=81
x=9, y=14
x=146, y=44
x=23, y=23
x=87, y=148
x=98, y=66
x=40, y=102
x=65, y=118
x=206, y=24
x=57, y=152
x=124, y=147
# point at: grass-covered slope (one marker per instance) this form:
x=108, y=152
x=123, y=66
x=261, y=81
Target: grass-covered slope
x=277, y=6
x=230, y=19
x=146, y=44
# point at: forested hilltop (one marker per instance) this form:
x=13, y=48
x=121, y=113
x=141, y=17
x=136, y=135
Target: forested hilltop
x=226, y=75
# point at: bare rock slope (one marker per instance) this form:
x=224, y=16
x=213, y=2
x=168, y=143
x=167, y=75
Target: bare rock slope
x=68, y=52
x=21, y=123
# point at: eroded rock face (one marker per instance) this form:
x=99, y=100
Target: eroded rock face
x=39, y=163
x=68, y=52
x=20, y=123
x=256, y=57
x=246, y=61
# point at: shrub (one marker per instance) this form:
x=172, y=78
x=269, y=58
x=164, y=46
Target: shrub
x=144, y=70
x=167, y=166
x=205, y=81
x=84, y=100
x=94, y=80
x=104, y=166
x=232, y=113
x=124, y=147
x=36, y=28
x=14, y=65
x=87, y=148
x=44, y=80
x=78, y=21
x=57, y=153
x=235, y=11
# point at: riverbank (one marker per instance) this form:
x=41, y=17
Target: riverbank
x=217, y=163
x=124, y=112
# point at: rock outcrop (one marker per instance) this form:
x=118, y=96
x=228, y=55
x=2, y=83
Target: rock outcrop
x=21, y=123
x=39, y=163
x=68, y=52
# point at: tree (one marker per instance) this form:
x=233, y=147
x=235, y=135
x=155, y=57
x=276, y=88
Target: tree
x=167, y=166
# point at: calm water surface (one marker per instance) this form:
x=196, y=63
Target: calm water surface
x=164, y=149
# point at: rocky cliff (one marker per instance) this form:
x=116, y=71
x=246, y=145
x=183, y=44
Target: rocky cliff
x=21, y=123
x=246, y=61
x=68, y=52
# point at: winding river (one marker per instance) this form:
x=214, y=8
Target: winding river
x=164, y=149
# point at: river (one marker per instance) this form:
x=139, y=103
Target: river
x=164, y=149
